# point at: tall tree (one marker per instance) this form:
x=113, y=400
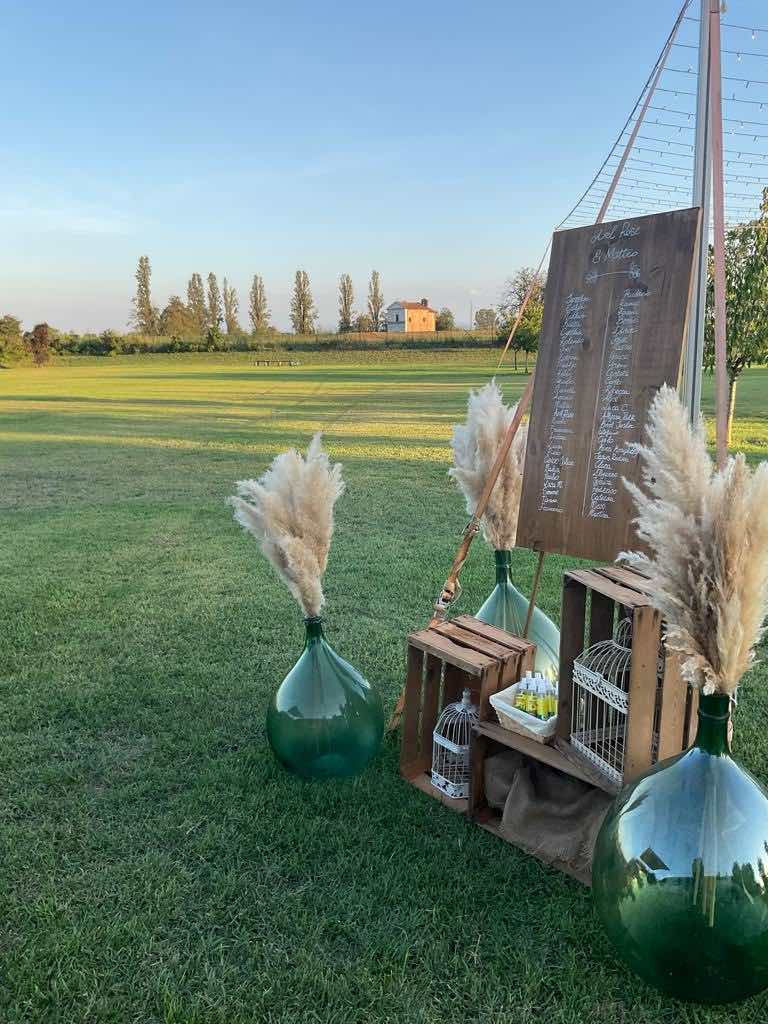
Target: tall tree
x=258, y=311
x=303, y=312
x=346, y=302
x=231, y=308
x=10, y=339
x=177, y=320
x=215, y=314
x=445, y=320
x=485, y=320
x=38, y=343
x=746, y=296
x=362, y=323
x=196, y=303
x=527, y=335
x=145, y=315
x=375, y=300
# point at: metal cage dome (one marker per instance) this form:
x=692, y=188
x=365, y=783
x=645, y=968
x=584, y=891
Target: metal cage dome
x=451, y=740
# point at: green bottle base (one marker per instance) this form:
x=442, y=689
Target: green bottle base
x=680, y=871
x=325, y=721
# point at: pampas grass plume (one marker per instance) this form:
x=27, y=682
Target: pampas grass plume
x=289, y=510
x=707, y=532
x=475, y=445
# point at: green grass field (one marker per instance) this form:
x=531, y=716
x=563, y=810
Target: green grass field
x=157, y=864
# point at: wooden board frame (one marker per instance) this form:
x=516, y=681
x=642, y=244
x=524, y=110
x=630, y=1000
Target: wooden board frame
x=615, y=318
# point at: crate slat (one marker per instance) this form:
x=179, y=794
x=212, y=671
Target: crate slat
x=674, y=701
x=464, y=657
x=621, y=595
x=646, y=637
x=499, y=636
x=464, y=638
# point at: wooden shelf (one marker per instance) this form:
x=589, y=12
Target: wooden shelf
x=491, y=822
x=554, y=756
x=421, y=780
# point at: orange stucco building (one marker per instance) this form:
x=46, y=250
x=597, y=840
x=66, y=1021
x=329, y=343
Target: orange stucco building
x=406, y=316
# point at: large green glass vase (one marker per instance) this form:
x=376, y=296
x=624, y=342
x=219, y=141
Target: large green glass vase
x=680, y=870
x=507, y=608
x=325, y=719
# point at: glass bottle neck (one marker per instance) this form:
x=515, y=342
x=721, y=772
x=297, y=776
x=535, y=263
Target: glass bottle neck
x=314, y=630
x=503, y=567
x=714, y=716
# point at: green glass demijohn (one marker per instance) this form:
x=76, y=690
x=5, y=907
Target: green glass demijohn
x=507, y=608
x=325, y=719
x=680, y=871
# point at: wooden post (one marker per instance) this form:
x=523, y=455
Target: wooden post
x=718, y=205
x=534, y=593
x=572, y=620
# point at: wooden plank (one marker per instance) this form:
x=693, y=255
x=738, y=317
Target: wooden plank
x=491, y=683
x=432, y=643
x=463, y=638
x=430, y=709
x=413, y=680
x=456, y=680
x=517, y=664
x=626, y=578
x=491, y=822
x=421, y=780
x=621, y=595
x=691, y=716
x=614, y=322
x=484, y=629
x=646, y=637
x=674, y=699
x=572, y=622
x=601, y=616
x=545, y=753
x=479, y=751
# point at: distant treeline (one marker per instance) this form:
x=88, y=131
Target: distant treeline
x=109, y=343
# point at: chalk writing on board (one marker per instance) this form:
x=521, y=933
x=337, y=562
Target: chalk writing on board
x=616, y=419
x=570, y=342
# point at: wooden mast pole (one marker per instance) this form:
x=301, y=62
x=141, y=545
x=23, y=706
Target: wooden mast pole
x=718, y=206
x=701, y=197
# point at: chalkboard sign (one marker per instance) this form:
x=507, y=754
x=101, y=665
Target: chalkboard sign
x=615, y=315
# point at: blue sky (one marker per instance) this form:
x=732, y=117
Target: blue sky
x=437, y=142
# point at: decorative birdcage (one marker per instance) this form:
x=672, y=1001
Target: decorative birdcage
x=601, y=678
x=451, y=741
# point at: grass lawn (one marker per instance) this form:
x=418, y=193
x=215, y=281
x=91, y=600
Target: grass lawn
x=157, y=864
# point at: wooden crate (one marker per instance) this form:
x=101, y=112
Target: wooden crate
x=662, y=719
x=661, y=716
x=443, y=660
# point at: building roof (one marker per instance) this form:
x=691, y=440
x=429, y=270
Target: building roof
x=415, y=305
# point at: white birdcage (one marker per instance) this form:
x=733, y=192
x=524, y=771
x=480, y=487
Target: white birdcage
x=601, y=702
x=450, y=748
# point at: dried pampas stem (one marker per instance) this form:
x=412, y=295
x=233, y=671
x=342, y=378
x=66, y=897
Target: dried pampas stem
x=475, y=445
x=289, y=510
x=708, y=536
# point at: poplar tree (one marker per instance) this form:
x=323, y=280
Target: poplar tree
x=231, y=308
x=196, y=302
x=303, y=312
x=375, y=300
x=215, y=315
x=258, y=311
x=145, y=315
x=346, y=301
